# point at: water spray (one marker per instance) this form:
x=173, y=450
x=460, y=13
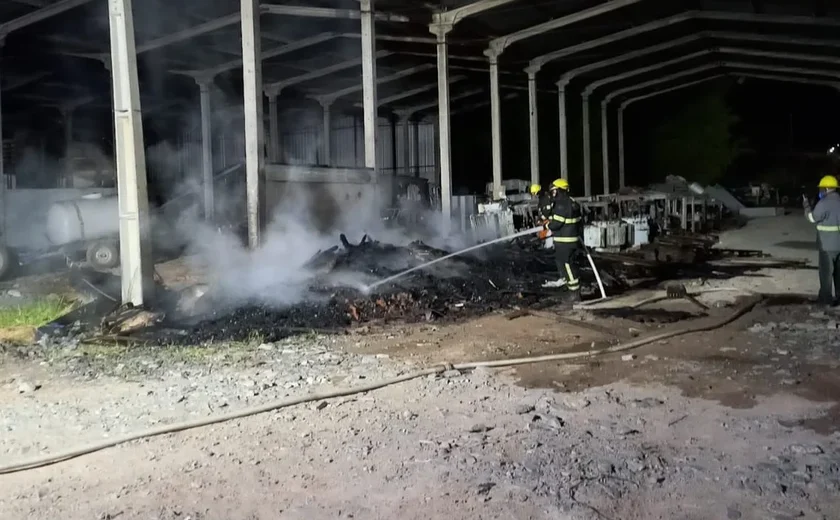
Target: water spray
x=393, y=277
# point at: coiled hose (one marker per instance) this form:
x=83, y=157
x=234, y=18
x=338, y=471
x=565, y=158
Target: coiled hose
x=47, y=460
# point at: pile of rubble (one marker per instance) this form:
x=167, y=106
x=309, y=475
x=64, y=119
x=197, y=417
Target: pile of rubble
x=505, y=276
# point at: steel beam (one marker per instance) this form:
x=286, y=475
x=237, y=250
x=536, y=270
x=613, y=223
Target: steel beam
x=135, y=245
x=498, y=45
x=186, y=34
x=413, y=110
x=474, y=106
x=22, y=82
x=537, y=63
x=729, y=64
x=332, y=96
x=327, y=12
x=315, y=74
x=716, y=35
x=254, y=139
x=371, y=116
x=40, y=15
x=265, y=55
x=413, y=92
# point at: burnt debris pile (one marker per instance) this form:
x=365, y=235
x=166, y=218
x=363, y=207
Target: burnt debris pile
x=502, y=276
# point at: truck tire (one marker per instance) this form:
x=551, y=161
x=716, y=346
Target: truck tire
x=7, y=261
x=103, y=255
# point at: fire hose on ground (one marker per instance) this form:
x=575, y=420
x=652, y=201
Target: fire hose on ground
x=47, y=460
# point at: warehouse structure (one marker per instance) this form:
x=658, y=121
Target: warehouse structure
x=413, y=59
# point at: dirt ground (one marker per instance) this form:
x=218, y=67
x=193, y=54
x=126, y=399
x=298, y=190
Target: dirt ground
x=738, y=422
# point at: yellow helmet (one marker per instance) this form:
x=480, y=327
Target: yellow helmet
x=829, y=181
x=560, y=184
x=535, y=188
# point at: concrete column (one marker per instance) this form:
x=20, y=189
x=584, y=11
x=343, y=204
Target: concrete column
x=369, y=83
x=3, y=187
x=533, y=127
x=621, y=180
x=564, y=137
x=273, y=126
x=439, y=173
x=135, y=247
x=416, y=151
x=67, y=115
x=587, y=167
x=326, y=133
x=207, y=147
x=496, y=125
x=405, y=129
x=443, y=129
x=605, y=149
x=253, y=92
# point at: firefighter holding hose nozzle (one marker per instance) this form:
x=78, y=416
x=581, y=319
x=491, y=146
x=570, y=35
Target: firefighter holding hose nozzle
x=565, y=226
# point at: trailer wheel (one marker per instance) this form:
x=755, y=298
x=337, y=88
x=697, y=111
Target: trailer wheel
x=103, y=255
x=7, y=261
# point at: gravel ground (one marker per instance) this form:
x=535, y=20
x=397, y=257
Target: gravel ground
x=469, y=445
x=640, y=436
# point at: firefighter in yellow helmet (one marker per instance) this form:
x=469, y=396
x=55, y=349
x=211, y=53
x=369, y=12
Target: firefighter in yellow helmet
x=826, y=217
x=565, y=226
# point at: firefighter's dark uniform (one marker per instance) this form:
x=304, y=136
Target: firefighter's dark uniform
x=545, y=203
x=565, y=225
x=826, y=216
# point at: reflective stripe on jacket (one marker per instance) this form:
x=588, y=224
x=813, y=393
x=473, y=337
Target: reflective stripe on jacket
x=826, y=216
x=565, y=219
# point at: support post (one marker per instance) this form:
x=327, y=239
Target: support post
x=605, y=149
x=206, y=147
x=587, y=167
x=326, y=132
x=564, y=137
x=369, y=83
x=67, y=115
x=3, y=187
x=442, y=128
x=405, y=128
x=253, y=92
x=135, y=248
x=416, y=151
x=273, y=125
x=496, y=125
x=533, y=127
x=621, y=179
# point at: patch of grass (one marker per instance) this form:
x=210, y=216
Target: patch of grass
x=34, y=314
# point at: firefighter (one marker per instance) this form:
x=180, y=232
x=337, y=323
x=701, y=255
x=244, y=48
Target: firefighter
x=826, y=216
x=564, y=225
x=544, y=204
